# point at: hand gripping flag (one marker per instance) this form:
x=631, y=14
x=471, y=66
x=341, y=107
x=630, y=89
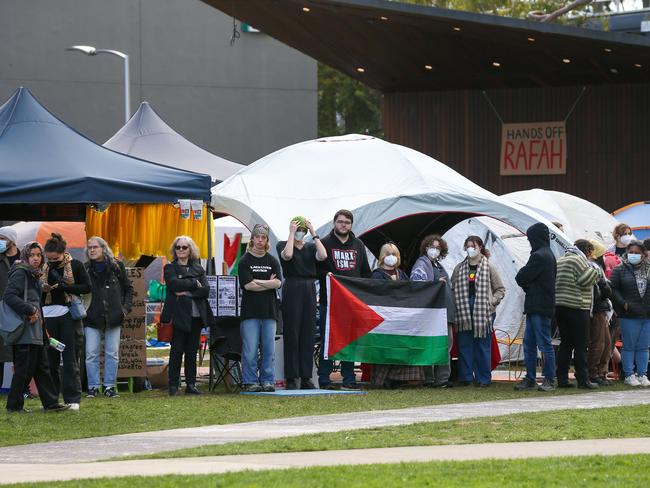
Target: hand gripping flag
x=385, y=321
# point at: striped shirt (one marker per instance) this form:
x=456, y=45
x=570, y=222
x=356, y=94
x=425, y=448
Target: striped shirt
x=574, y=282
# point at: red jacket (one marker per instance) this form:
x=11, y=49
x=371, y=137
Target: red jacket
x=611, y=261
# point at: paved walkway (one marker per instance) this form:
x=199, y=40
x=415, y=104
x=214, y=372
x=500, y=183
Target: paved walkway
x=12, y=473
x=98, y=448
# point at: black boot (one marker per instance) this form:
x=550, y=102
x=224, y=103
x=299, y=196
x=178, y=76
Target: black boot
x=173, y=390
x=307, y=384
x=191, y=389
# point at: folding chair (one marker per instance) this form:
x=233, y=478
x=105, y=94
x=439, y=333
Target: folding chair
x=225, y=354
x=509, y=341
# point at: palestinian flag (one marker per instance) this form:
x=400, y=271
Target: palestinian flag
x=385, y=321
x=232, y=252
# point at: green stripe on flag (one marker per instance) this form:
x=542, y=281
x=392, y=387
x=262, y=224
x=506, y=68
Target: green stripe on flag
x=396, y=349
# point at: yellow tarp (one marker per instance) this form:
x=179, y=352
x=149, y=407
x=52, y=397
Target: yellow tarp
x=136, y=229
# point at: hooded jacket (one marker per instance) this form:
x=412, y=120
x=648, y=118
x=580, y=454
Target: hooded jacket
x=626, y=292
x=537, y=276
x=343, y=258
x=112, y=295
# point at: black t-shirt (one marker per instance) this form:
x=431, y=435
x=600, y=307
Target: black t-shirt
x=258, y=304
x=471, y=279
x=302, y=264
x=620, y=251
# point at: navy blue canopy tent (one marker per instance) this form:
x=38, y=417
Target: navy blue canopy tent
x=49, y=171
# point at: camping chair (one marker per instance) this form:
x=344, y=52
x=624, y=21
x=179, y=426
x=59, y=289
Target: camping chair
x=225, y=354
x=509, y=341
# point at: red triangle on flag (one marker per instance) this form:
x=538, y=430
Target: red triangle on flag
x=349, y=317
x=231, y=248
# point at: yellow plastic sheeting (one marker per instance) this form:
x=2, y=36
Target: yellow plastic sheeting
x=136, y=229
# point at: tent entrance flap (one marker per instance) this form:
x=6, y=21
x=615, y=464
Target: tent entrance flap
x=149, y=229
x=407, y=232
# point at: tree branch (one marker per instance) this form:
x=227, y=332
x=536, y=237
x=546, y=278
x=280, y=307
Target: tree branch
x=544, y=17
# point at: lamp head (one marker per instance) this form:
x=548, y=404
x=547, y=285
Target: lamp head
x=89, y=50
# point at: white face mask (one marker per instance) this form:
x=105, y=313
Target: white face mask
x=626, y=239
x=433, y=252
x=472, y=252
x=300, y=235
x=390, y=260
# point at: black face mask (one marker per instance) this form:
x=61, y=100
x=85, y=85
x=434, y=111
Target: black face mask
x=54, y=264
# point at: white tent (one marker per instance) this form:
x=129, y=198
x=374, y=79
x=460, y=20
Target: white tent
x=509, y=251
x=581, y=219
x=147, y=136
x=394, y=192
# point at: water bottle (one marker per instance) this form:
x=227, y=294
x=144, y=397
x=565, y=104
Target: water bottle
x=59, y=346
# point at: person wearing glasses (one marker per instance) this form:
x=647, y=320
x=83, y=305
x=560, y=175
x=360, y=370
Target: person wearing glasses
x=186, y=307
x=346, y=256
x=112, y=296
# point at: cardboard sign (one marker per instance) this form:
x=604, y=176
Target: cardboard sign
x=133, y=346
x=537, y=148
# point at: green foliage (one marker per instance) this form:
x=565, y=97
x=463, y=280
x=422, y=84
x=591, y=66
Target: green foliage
x=346, y=106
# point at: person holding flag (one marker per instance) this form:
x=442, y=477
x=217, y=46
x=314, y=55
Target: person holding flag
x=346, y=256
x=299, y=266
x=478, y=290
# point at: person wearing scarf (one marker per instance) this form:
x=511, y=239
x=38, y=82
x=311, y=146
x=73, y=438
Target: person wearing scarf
x=112, y=295
x=631, y=296
x=23, y=295
x=478, y=290
x=574, y=284
x=62, y=277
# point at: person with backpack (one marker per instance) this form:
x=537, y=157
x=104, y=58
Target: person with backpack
x=112, y=296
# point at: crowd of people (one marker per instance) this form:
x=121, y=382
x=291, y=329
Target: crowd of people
x=590, y=295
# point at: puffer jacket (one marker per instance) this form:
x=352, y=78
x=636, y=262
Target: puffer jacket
x=626, y=292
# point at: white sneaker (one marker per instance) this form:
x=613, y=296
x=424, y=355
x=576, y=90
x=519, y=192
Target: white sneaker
x=643, y=380
x=75, y=406
x=632, y=380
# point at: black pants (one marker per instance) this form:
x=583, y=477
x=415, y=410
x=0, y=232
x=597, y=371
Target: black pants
x=69, y=331
x=184, y=343
x=574, y=337
x=30, y=361
x=299, y=317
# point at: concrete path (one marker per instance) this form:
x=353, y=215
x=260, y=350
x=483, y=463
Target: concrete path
x=94, y=449
x=12, y=473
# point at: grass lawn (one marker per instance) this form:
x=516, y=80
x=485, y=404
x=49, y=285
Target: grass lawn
x=617, y=422
x=154, y=410
x=588, y=471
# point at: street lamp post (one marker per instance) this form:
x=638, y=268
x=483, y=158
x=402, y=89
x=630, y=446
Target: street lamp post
x=92, y=51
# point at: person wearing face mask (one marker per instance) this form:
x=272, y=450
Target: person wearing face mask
x=23, y=295
x=478, y=290
x=622, y=234
x=62, y=277
x=299, y=261
x=574, y=285
x=388, y=375
x=8, y=256
x=346, y=256
x=537, y=278
x=631, y=296
x=427, y=267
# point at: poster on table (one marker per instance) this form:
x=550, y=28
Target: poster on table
x=133, y=347
x=537, y=148
x=224, y=295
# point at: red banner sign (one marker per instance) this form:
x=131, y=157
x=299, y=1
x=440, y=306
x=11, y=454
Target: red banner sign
x=537, y=148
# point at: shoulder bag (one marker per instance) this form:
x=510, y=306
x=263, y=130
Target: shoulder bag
x=12, y=325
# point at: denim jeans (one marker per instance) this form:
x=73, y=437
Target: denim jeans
x=636, y=340
x=474, y=357
x=258, y=334
x=538, y=336
x=325, y=366
x=111, y=356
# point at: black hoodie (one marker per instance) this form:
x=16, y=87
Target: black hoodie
x=537, y=277
x=343, y=258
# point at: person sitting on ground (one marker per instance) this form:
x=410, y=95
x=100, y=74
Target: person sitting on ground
x=631, y=295
x=478, y=290
x=23, y=295
x=259, y=276
x=573, y=296
x=187, y=308
x=112, y=296
x=299, y=266
x=537, y=278
x=388, y=375
x=427, y=267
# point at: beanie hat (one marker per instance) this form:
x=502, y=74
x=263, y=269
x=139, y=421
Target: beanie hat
x=260, y=229
x=10, y=233
x=599, y=249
